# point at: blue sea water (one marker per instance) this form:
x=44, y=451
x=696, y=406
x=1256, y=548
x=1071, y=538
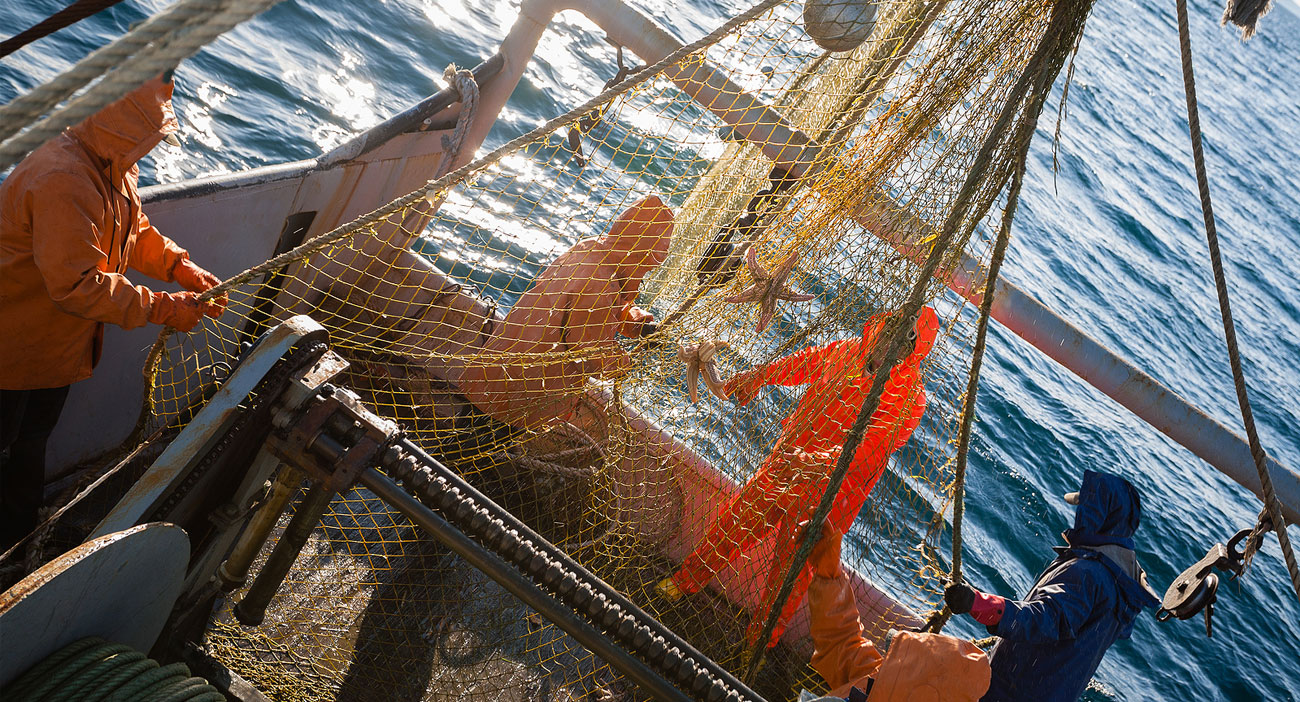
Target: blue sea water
x=1112, y=241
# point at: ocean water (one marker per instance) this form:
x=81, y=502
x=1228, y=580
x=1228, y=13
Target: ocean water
x=1111, y=240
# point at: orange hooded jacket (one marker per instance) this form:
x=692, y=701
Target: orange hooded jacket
x=70, y=226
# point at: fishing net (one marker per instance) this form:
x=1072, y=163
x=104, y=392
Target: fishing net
x=592, y=437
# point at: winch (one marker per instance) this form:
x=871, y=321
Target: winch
x=280, y=417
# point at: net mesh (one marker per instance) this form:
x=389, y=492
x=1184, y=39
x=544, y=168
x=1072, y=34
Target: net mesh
x=495, y=322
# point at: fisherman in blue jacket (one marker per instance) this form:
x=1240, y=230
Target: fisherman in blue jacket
x=1054, y=639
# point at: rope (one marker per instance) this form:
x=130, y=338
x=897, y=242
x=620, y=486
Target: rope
x=25, y=109
x=467, y=87
x=49, y=521
x=434, y=188
x=939, y=618
x=77, y=11
x=153, y=47
x=1043, y=58
x=1024, y=134
x=1245, y=14
x=91, y=669
x=1271, y=504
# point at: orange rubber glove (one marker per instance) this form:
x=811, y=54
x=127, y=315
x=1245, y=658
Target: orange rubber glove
x=192, y=277
x=825, y=556
x=743, y=387
x=180, y=310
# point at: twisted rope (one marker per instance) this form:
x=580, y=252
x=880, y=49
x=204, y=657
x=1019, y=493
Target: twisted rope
x=153, y=47
x=1271, y=504
x=939, y=618
x=77, y=11
x=1045, y=56
x=467, y=87
x=94, y=669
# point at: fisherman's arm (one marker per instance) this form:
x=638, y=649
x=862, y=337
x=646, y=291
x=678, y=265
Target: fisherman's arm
x=841, y=655
x=65, y=245
x=154, y=254
x=591, y=325
x=66, y=250
x=796, y=369
x=1055, y=611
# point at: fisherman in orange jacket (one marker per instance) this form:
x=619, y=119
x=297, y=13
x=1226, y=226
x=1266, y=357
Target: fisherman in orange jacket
x=70, y=226
x=793, y=478
x=918, y=666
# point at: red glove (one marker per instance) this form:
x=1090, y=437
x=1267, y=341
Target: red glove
x=195, y=279
x=633, y=320
x=987, y=609
x=982, y=607
x=192, y=277
x=825, y=556
x=180, y=310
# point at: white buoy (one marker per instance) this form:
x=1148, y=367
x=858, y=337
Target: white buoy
x=839, y=25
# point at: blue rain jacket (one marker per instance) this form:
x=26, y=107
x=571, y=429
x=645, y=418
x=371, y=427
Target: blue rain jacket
x=1054, y=639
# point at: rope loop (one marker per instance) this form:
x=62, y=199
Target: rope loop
x=1271, y=503
x=467, y=87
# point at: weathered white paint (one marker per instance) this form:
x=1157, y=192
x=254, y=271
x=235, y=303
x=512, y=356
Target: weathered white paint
x=120, y=587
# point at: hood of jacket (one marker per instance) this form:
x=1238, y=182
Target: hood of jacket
x=1108, y=512
x=927, y=330
x=125, y=130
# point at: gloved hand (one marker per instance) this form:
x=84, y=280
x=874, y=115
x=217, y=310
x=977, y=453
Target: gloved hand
x=984, y=608
x=959, y=597
x=180, y=310
x=192, y=277
x=633, y=321
x=741, y=387
x=825, y=556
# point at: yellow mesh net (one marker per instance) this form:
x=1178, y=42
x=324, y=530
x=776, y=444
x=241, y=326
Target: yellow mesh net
x=501, y=323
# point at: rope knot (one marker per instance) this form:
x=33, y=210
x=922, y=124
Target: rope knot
x=465, y=85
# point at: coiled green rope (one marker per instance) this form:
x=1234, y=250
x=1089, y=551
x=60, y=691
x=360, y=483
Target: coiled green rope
x=94, y=670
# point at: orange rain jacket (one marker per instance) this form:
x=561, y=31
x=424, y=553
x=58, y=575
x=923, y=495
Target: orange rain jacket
x=70, y=226
x=918, y=667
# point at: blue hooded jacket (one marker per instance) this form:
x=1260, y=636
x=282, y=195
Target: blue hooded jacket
x=1054, y=639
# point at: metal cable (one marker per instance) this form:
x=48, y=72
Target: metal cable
x=1271, y=504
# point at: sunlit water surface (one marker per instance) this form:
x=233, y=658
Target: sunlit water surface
x=1112, y=241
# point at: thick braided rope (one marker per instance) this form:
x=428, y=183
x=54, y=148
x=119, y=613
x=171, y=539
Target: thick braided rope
x=1271, y=503
x=70, y=15
x=434, y=188
x=27, y=108
x=467, y=88
x=910, y=310
x=199, y=23
x=977, y=361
